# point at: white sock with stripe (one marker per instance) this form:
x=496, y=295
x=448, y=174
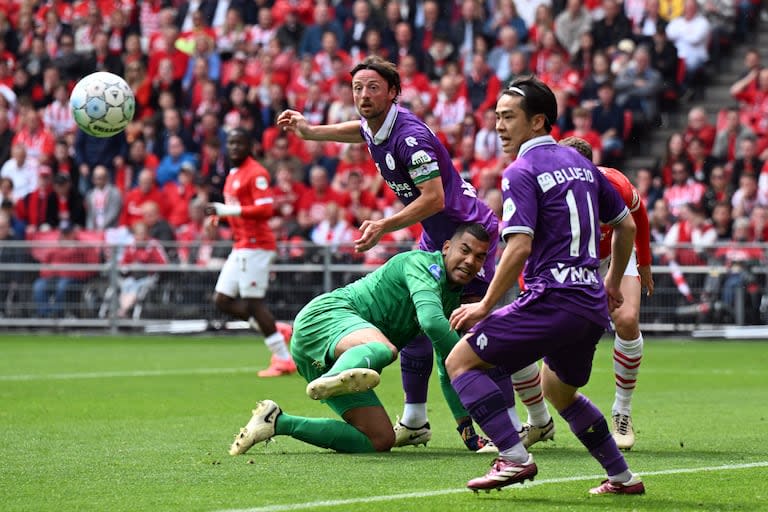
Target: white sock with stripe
x=527, y=383
x=276, y=344
x=627, y=355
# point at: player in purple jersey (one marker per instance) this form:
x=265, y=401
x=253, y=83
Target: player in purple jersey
x=418, y=168
x=554, y=200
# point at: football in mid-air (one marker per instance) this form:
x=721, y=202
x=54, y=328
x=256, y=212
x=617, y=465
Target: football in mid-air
x=102, y=104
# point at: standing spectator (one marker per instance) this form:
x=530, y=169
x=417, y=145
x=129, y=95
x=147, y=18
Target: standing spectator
x=691, y=33
x=664, y=59
x=649, y=24
x=612, y=28
x=244, y=278
x=103, y=203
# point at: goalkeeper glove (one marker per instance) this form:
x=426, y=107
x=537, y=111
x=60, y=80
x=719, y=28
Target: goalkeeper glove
x=227, y=210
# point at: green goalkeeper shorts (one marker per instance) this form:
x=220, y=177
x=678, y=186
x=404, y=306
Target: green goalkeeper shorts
x=318, y=327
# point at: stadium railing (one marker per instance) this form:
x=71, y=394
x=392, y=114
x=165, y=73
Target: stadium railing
x=687, y=297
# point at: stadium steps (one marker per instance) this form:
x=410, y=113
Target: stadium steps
x=648, y=146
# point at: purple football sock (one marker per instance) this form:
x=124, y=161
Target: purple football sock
x=416, y=360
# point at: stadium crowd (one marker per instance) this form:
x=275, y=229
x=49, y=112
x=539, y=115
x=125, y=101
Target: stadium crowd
x=200, y=68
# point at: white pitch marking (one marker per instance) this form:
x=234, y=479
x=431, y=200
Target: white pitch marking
x=442, y=492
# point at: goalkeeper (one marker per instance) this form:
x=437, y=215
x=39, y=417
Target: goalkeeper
x=343, y=339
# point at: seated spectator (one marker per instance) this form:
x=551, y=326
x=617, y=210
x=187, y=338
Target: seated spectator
x=699, y=126
x=660, y=222
x=749, y=163
x=56, y=289
x=450, y=108
x=648, y=187
x=487, y=143
x=483, y=85
x=638, y=87
x=279, y=153
x=159, y=229
x=722, y=221
x=335, y=232
x=36, y=138
x=664, y=59
x=701, y=163
x=178, y=194
x=582, y=128
x=608, y=121
x=103, y=203
x=145, y=191
x=170, y=165
x=718, y=190
x=65, y=203
x=675, y=152
x=21, y=171
x=500, y=55
x=355, y=158
x=649, y=24
x=361, y=201
x=728, y=137
x=571, y=23
x=758, y=223
x=57, y=115
x=209, y=250
x=414, y=84
x=598, y=73
x=691, y=33
x=745, y=197
x=313, y=202
x=691, y=237
x=9, y=279
x=612, y=28
x=559, y=75
x=684, y=189
x=136, y=281
x=739, y=258
x=544, y=48
x=286, y=193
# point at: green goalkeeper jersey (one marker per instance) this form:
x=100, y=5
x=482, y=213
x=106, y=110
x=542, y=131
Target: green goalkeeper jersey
x=407, y=295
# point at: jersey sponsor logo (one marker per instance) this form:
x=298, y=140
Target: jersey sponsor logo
x=481, y=341
x=411, y=142
x=436, y=271
x=390, y=160
x=577, y=275
x=509, y=209
x=401, y=189
x=262, y=183
x=420, y=157
x=546, y=181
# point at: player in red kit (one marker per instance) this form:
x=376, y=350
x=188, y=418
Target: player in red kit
x=628, y=340
x=243, y=280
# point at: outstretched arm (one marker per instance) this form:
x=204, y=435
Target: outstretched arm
x=348, y=131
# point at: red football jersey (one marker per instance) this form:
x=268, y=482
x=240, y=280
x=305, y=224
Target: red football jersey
x=248, y=187
x=631, y=197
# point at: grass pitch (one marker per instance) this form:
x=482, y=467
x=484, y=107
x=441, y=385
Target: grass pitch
x=144, y=423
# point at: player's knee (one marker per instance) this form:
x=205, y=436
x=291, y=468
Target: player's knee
x=626, y=323
x=221, y=301
x=383, y=441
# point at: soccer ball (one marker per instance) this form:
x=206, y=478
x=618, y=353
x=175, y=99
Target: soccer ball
x=102, y=104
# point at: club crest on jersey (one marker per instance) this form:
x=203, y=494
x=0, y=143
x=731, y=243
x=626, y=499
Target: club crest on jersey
x=390, y=160
x=262, y=183
x=236, y=184
x=546, y=181
x=436, y=271
x=411, y=142
x=509, y=209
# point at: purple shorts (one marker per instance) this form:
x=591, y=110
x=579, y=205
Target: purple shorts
x=530, y=328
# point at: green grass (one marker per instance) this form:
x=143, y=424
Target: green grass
x=144, y=423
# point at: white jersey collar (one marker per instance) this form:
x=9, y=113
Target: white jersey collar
x=386, y=129
x=541, y=140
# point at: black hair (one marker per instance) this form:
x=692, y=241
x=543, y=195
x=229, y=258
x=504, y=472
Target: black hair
x=474, y=229
x=385, y=68
x=538, y=98
x=239, y=130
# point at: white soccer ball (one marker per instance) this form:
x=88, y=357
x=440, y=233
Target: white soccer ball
x=102, y=104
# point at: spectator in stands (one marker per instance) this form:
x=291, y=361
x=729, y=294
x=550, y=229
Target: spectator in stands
x=57, y=288
x=102, y=58
x=690, y=238
x=170, y=165
x=649, y=24
x=483, y=85
x=136, y=281
x=599, y=73
x=638, y=87
x=103, y=203
x=608, y=120
x=21, y=171
x=487, y=143
x=571, y=23
x=65, y=204
x=9, y=279
x=499, y=56
x=675, y=151
x=740, y=257
x=312, y=203
x=745, y=198
x=543, y=21
x=701, y=163
x=179, y=193
x=70, y=65
x=335, y=232
x=36, y=138
x=405, y=44
x=506, y=15
x=355, y=157
x=664, y=59
x=749, y=163
x=311, y=42
x=752, y=93
x=729, y=135
x=691, y=34
x=559, y=75
x=91, y=151
x=660, y=222
x=648, y=187
x=718, y=191
x=612, y=28
x=145, y=191
x=699, y=127
x=279, y=153
x=758, y=223
x=57, y=115
x=172, y=124
x=581, y=59
x=684, y=189
x=450, y=108
x=362, y=202
x=158, y=227
x=721, y=15
x=722, y=221
x=582, y=128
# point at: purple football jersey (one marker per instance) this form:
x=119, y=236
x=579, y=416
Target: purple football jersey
x=559, y=198
x=407, y=153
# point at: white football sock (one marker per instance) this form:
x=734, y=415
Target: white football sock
x=414, y=415
x=276, y=344
x=517, y=453
x=527, y=383
x=627, y=355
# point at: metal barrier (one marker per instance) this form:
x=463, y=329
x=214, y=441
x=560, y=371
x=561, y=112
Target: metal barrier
x=719, y=295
